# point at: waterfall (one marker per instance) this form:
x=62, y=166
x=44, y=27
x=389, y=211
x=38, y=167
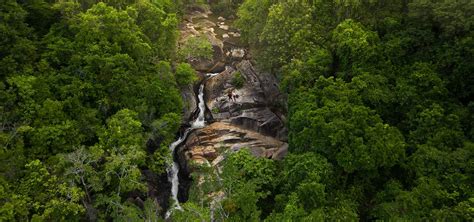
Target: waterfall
x=200, y=121
x=173, y=170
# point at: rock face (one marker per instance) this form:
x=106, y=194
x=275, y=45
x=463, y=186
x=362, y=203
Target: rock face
x=210, y=145
x=245, y=121
x=250, y=106
x=189, y=102
x=242, y=104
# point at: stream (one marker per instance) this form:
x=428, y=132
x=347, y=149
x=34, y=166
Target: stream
x=244, y=127
x=173, y=169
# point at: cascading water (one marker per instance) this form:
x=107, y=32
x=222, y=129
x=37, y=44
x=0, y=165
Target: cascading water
x=173, y=170
x=200, y=121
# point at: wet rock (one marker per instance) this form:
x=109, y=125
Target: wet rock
x=199, y=13
x=189, y=100
x=220, y=18
x=207, y=152
x=159, y=188
x=199, y=160
x=218, y=160
x=205, y=24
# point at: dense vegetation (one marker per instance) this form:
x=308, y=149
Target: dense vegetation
x=379, y=110
x=83, y=87
x=380, y=113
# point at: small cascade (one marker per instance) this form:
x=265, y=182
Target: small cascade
x=173, y=170
x=199, y=122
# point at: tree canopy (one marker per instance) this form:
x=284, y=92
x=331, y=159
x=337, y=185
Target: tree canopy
x=379, y=110
x=84, y=86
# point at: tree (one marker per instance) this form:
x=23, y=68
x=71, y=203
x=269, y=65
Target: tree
x=42, y=196
x=341, y=128
x=287, y=34
x=185, y=74
x=252, y=16
x=159, y=25
x=246, y=181
x=353, y=46
x=17, y=48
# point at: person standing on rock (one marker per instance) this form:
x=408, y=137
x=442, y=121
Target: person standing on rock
x=230, y=95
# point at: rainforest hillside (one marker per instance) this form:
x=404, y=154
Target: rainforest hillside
x=330, y=110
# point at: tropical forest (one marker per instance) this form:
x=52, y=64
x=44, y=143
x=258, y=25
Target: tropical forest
x=236, y=110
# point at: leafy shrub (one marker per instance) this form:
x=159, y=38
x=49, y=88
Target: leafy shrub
x=238, y=81
x=185, y=74
x=226, y=7
x=196, y=47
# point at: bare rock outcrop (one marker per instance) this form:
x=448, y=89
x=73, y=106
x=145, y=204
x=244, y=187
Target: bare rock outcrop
x=243, y=105
x=251, y=105
x=210, y=144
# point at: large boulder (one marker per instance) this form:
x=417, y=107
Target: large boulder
x=211, y=144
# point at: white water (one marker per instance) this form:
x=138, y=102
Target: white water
x=173, y=170
x=200, y=121
x=210, y=75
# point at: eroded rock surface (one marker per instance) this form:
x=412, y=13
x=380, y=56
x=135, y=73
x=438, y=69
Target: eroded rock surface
x=246, y=120
x=210, y=144
x=251, y=105
x=239, y=116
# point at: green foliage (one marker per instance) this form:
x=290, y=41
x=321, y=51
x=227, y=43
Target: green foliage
x=252, y=17
x=238, y=80
x=379, y=111
x=164, y=129
x=83, y=86
x=159, y=25
x=380, y=91
x=192, y=212
x=17, y=47
x=225, y=7
x=185, y=74
x=342, y=128
x=305, y=177
x=353, y=46
x=246, y=180
x=286, y=34
x=41, y=196
x=194, y=48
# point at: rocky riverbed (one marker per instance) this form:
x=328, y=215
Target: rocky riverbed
x=249, y=119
